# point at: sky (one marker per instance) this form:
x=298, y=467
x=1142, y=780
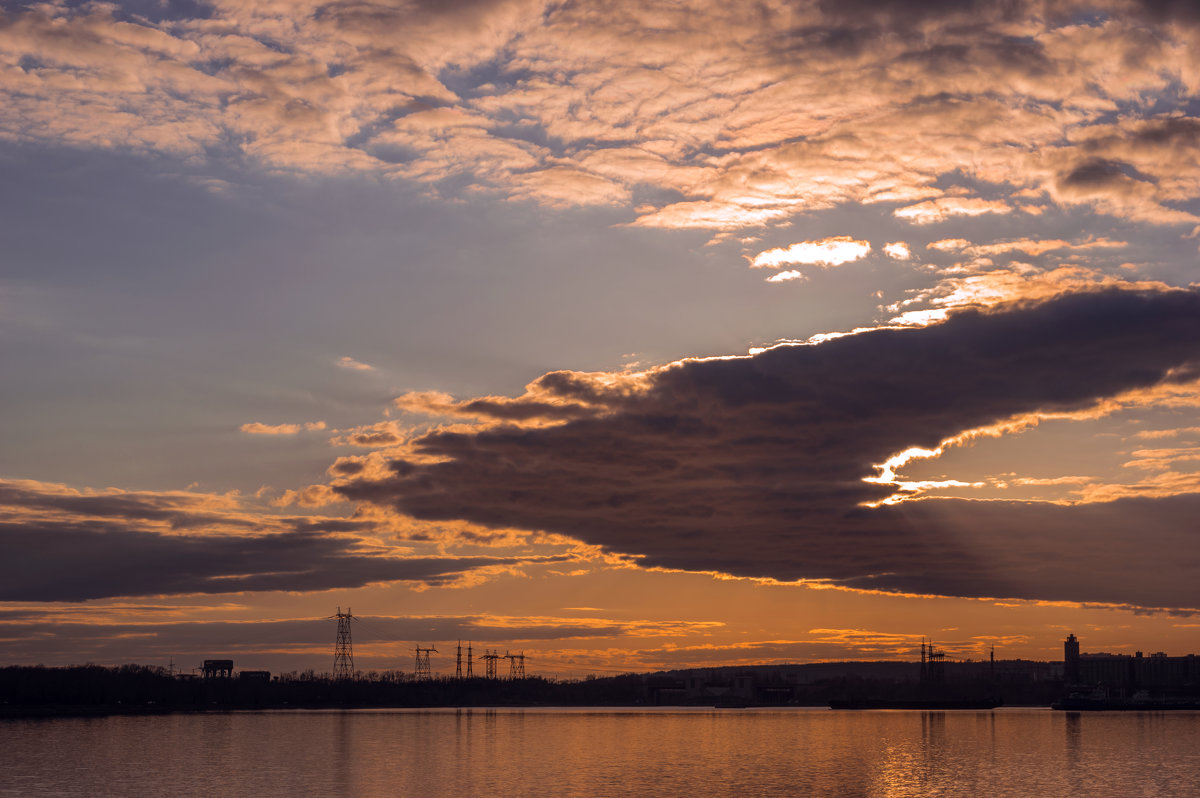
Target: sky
x=627, y=335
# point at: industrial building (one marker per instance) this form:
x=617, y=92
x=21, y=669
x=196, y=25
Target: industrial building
x=1130, y=672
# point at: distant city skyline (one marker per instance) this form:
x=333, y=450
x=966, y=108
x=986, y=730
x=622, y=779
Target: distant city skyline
x=630, y=336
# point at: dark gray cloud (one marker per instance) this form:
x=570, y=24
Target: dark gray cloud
x=173, y=509
x=906, y=13
x=62, y=545
x=76, y=561
x=755, y=466
x=1143, y=551
x=1098, y=173
x=1168, y=10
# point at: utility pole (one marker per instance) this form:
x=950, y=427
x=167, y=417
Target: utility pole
x=343, y=649
x=424, y=673
x=470, y=669
x=458, y=662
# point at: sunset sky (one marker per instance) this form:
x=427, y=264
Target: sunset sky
x=630, y=335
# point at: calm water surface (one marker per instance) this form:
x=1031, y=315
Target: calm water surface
x=604, y=752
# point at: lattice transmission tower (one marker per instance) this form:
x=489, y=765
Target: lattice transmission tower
x=489, y=663
x=933, y=661
x=516, y=665
x=424, y=673
x=343, y=648
x=458, y=663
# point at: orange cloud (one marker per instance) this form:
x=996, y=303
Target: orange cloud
x=311, y=496
x=1167, y=433
x=734, y=120
x=354, y=365
x=1031, y=246
x=949, y=244
x=383, y=433
x=1017, y=282
x=939, y=210
x=257, y=428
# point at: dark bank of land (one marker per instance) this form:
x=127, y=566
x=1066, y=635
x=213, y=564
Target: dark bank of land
x=135, y=689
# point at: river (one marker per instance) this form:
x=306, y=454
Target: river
x=605, y=752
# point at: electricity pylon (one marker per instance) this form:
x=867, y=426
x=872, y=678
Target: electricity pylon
x=516, y=665
x=343, y=649
x=424, y=673
x=489, y=661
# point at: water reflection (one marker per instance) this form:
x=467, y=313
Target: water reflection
x=662, y=752
x=933, y=730
x=344, y=746
x=1073, y=724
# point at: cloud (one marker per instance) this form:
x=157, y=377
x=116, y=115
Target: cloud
x=59, y=544
x=980, y=285
x=563, y=186
x=755, y=466
x=348, y=362
x=1163, y=458
x=949, y=244
x=311, y=496
x=1135, y=168
x=832, y=251
x=80, y=562
x=383, y=433
x=1153, y=434
x=257, y=428
x=552, y=398
x=731, y=120
x=709, y=215
x=1035, y=246
x=897, y=250
x=939, y=210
